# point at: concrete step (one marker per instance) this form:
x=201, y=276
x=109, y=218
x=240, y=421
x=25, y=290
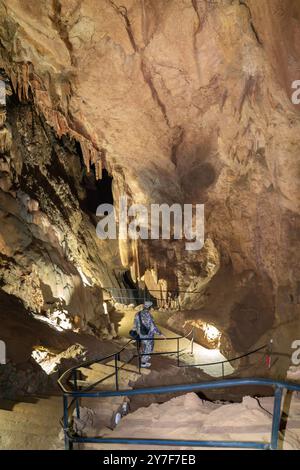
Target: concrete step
x=40, y=407
x=18, y=440
x=38, y=419
x=31, y=424
x=10, y=421
x=105, y=387
x=31, y=403
x=96, y=372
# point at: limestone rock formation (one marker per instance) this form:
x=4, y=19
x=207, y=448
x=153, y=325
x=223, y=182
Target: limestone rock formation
x=185, y=101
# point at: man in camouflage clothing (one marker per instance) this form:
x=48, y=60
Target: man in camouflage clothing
x=143, y=322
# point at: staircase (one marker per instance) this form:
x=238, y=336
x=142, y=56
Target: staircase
x=106, y=374
x=34, y=423
x=98, y=416
x=31, y=425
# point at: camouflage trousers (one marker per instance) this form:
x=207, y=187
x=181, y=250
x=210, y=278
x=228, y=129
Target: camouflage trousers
x=146, y=347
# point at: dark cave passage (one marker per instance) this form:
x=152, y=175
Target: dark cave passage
x=97, y=191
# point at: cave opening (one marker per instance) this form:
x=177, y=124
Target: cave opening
x=136, y=292
x=97, y=191
x=128, y=281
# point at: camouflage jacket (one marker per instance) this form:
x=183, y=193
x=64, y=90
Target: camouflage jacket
x=148, y=321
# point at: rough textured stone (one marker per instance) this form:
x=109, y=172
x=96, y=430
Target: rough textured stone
x=182, y=101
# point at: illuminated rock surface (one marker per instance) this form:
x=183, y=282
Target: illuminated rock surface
x=180, y=101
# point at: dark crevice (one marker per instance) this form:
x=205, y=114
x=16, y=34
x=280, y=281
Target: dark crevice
x=35, y=179
x=176, y=145
x=35, y=184
x=128, y=281
x=61, y=28
x=243, y=3
x=198, y=28
x=195, y=7
x=122, y=11
x=97, y=191
x=155, y=96
x=256, y=33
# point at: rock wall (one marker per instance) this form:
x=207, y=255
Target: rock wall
x=51, y=258
x=181, y=101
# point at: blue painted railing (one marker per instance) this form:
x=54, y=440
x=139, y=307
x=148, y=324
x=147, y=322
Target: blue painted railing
x=72, y=373
x=217, y=384
x=72, y=397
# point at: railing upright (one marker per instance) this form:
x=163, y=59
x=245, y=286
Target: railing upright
x=178, y=352
x=192, y=341
x=116, y=372
x=76, y=389
x=276, y=417
x=223, y=374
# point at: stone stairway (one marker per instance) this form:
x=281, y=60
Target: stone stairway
x=97, y=416
x=34, y=423
x=99, y=372
x=31, y=424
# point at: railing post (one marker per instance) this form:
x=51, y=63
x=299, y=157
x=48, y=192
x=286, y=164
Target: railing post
x=116, y=371
x=178, y=352
x=76, y=388
x=276, y=417
x=68, y=444
x=223, y=370
x=192, y=342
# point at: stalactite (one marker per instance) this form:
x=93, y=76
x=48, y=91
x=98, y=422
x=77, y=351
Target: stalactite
x=62, y=125
x=5, y=140
x=133, y=273
x=25, y=80
x=91, y=156
x=2, y=117
x=98, y=167
x=136, y=261
x=85, y=154
x=20, y=79
x=5, y=134
x=19, y=76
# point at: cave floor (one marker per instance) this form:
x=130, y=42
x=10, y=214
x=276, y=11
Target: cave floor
x=196, y=419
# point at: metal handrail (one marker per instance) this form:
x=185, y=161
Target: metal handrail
x=126, y=289
x=177, y=352
x=72, y=372
x=85, y=364
x=273, y=444
x=226, y=360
